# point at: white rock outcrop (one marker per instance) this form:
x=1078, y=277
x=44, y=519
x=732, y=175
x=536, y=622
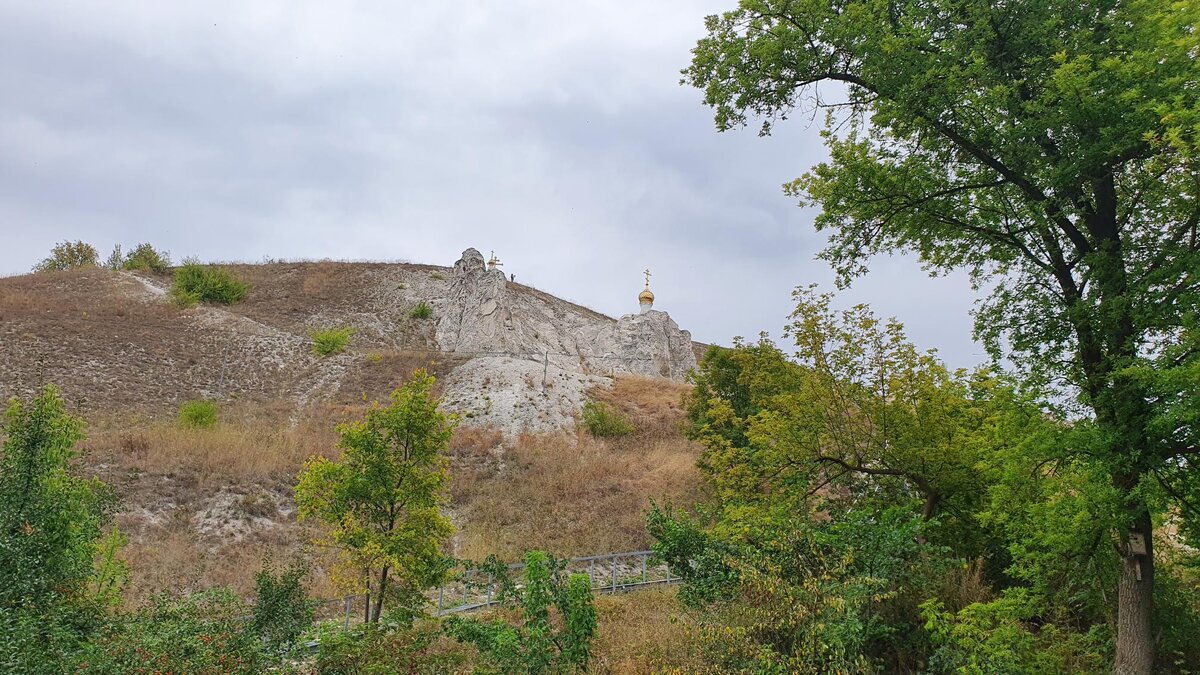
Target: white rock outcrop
x=532, y=357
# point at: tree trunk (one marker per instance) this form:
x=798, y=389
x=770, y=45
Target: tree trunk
x=383, y=580
x=1135, y=594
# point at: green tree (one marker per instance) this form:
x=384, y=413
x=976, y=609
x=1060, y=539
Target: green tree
x=859, y=412
x=1046, y=146
x=69, y=255
x=51, y=522
x=382, y=500
x=557, y=615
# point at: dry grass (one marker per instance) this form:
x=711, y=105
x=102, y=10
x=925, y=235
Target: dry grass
x=569, y=495
x=573, y=494
x=246, y=448
x=566, y=493
x=654, y=405
x=642, y=632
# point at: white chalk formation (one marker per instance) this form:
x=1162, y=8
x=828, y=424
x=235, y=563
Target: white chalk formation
x=532, y=359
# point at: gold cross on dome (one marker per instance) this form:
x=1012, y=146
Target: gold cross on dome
x=647, y=273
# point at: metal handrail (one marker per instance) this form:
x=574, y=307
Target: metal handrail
x=487, y=597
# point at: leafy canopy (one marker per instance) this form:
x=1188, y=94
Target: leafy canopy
x=382, y=500
x=52, y=594
x=1048, y=148
x=69, y=255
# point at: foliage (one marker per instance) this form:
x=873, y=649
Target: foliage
x=383, y=498
x=376, y=649
x=69, y=255
x=199, y=414
x=282, y=608
x=1047, y=148
x=557, y=619
x=202, y=633
x=783, y=592
x=421, y=310
x=205, y=283
x=602, y=421
x=996, y=637
x=145, y=258
x=49, y=519
x=859, y=413
x=861, y=424
x=115, y=259
x=34, y=642
x=328, y=341
x=51, y=596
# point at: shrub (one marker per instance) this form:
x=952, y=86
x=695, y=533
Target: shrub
x=538, y=644
x=282, y=608
x=375, y=649
x=421, y=311
x=328, y=341
x=204, y=283
x=204, y=633
x=68, y=256
x=199, y=414
x=601, y=420
x=145, y=258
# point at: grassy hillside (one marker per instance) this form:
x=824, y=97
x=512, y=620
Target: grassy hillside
x=202, y=506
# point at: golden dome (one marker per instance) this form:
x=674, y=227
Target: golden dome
x=645, y=295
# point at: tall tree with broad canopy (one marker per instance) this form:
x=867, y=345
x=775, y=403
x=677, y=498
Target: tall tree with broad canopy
x=383, y=498
x=1048, y=147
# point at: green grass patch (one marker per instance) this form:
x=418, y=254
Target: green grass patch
x=205, y=283
x=199, y=414
x=601, y=420
x=422, y=310
x=328, y=341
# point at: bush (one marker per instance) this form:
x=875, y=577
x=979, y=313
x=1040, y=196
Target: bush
x=204, y=283
x=421, y=311
x=601, y=420
x=203, y=633
x=282, y=608
x=538, y=644
x=145, y=258
x=1001, y=637
x=381, y=650
x=68, y=256
x=199, y=414
x=328, y=341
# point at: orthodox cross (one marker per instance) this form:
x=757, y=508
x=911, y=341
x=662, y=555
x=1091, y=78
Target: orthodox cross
x=494, y=262
x=647, y=273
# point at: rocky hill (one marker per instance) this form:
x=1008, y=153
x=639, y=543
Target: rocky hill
x=508, y=356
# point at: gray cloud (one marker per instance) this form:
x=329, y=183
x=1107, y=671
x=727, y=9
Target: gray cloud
x=554, y=133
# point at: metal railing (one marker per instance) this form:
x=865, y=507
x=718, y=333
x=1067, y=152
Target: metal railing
x=475, y=590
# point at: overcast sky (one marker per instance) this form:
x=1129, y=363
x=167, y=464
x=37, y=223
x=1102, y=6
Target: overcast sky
x=554, y=133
